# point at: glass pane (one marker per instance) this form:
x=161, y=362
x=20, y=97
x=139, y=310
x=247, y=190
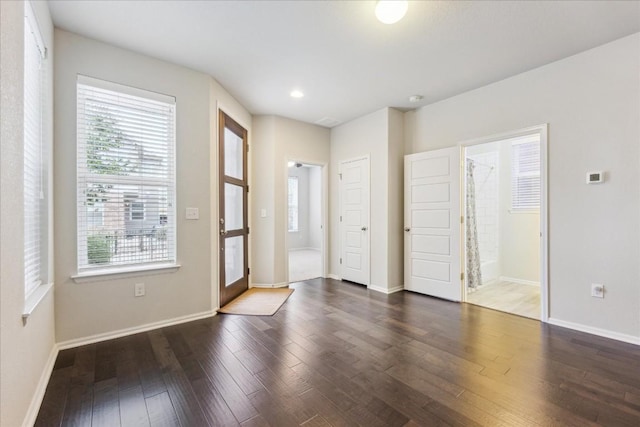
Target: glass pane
x=233, y=207
x=232, y=155
x=233, y=259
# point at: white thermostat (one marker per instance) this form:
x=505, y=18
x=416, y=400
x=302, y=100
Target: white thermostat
x=595, y=177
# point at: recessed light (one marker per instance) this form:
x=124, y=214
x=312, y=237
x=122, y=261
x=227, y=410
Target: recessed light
x=391, y=11
x=296, y=94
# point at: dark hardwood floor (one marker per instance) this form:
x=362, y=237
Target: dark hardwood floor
x=337, y=354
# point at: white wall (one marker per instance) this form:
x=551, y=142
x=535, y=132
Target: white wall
x=378, y=135
x=300, y=239
x=591, y=102
x=519, y=231
x=315, y=207
x=26, y=351
x=275, y=141
x=87, y=309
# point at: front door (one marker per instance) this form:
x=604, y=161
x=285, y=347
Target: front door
x=354, y=218
x=233, y=228
x=432, y=223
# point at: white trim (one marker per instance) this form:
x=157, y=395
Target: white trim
x=128, y=90
x=134, y=330
x=34, y=299
x=268, y=285
x=41, y=388
x=121, y=273
x=334, y=277
x=519, y=281
x=385, y=290
x=595, y=331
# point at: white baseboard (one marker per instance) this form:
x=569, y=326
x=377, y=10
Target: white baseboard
x=269, y=285
x=386, y=290
x=304, y=249
x=38, y=395
x=334, y=277
x=133, y=330
x=519, y=281
x=595, y=331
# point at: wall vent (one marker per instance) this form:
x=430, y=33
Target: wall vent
x=328, y=122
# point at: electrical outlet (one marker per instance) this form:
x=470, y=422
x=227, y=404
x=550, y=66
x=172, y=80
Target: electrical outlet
x=138, y=290
x=597, y=290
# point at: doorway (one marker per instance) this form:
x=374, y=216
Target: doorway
x=502, y=197
x=233, y=181
x=305, y=231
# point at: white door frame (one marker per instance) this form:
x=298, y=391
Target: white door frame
x=324, y=214
x=542, y=131
x=366, y=157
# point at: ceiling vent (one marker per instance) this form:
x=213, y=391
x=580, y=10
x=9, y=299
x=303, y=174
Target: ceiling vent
x=328, y=122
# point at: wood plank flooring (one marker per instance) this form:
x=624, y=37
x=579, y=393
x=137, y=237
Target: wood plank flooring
x=514, y=298
x=339, y=355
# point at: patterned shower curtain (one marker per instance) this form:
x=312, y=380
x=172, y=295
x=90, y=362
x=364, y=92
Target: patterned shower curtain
x=474, y=277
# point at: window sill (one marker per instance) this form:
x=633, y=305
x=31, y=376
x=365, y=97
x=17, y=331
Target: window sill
x=524, y=211
x=122, y=273
x=34, y=300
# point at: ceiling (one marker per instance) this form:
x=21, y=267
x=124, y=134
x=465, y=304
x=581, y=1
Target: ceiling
x=346, y=62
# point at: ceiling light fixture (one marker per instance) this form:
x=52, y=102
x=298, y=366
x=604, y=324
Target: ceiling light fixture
x=296, y=94
x=415, y=98
x=391, y=11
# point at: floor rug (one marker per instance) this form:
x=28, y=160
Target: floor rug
x=258, y=302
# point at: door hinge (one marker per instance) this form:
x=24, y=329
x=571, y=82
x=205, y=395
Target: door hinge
x=461, y=220
x=248, y=271
x=340, y=175
x=340, y=260
x=247, y=188
x=461, y=276
x=248, y=230
x=247, y=148
x=340, y=218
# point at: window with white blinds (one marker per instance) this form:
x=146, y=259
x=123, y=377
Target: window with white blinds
x=525, y=174
x=35, y=207
x=126, y=176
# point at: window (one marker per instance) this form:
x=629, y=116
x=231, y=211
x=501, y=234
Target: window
x=293, y=204
x=35, y=159
x=126, y=176
x=525, y=174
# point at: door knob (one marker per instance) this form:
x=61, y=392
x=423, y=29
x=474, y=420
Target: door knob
x=407, y=229
x=364, y=228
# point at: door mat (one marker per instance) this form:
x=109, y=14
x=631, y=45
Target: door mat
x=258, y=302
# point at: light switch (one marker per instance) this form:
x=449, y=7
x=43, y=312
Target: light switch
x=192, y=213
x=263, y=213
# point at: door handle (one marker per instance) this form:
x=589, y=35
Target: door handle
x=407, y=229
x=364, y=228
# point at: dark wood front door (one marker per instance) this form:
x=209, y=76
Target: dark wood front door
x=233, y=228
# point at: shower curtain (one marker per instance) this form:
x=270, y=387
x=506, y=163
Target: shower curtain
x=474, y=276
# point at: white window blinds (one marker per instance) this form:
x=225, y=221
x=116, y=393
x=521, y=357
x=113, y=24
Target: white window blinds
x=525, y=174
x=293, y=203
x=34, y=188
x=126, y=176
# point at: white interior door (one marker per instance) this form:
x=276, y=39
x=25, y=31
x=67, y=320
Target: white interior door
x=354, y=218
x=432, y=223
